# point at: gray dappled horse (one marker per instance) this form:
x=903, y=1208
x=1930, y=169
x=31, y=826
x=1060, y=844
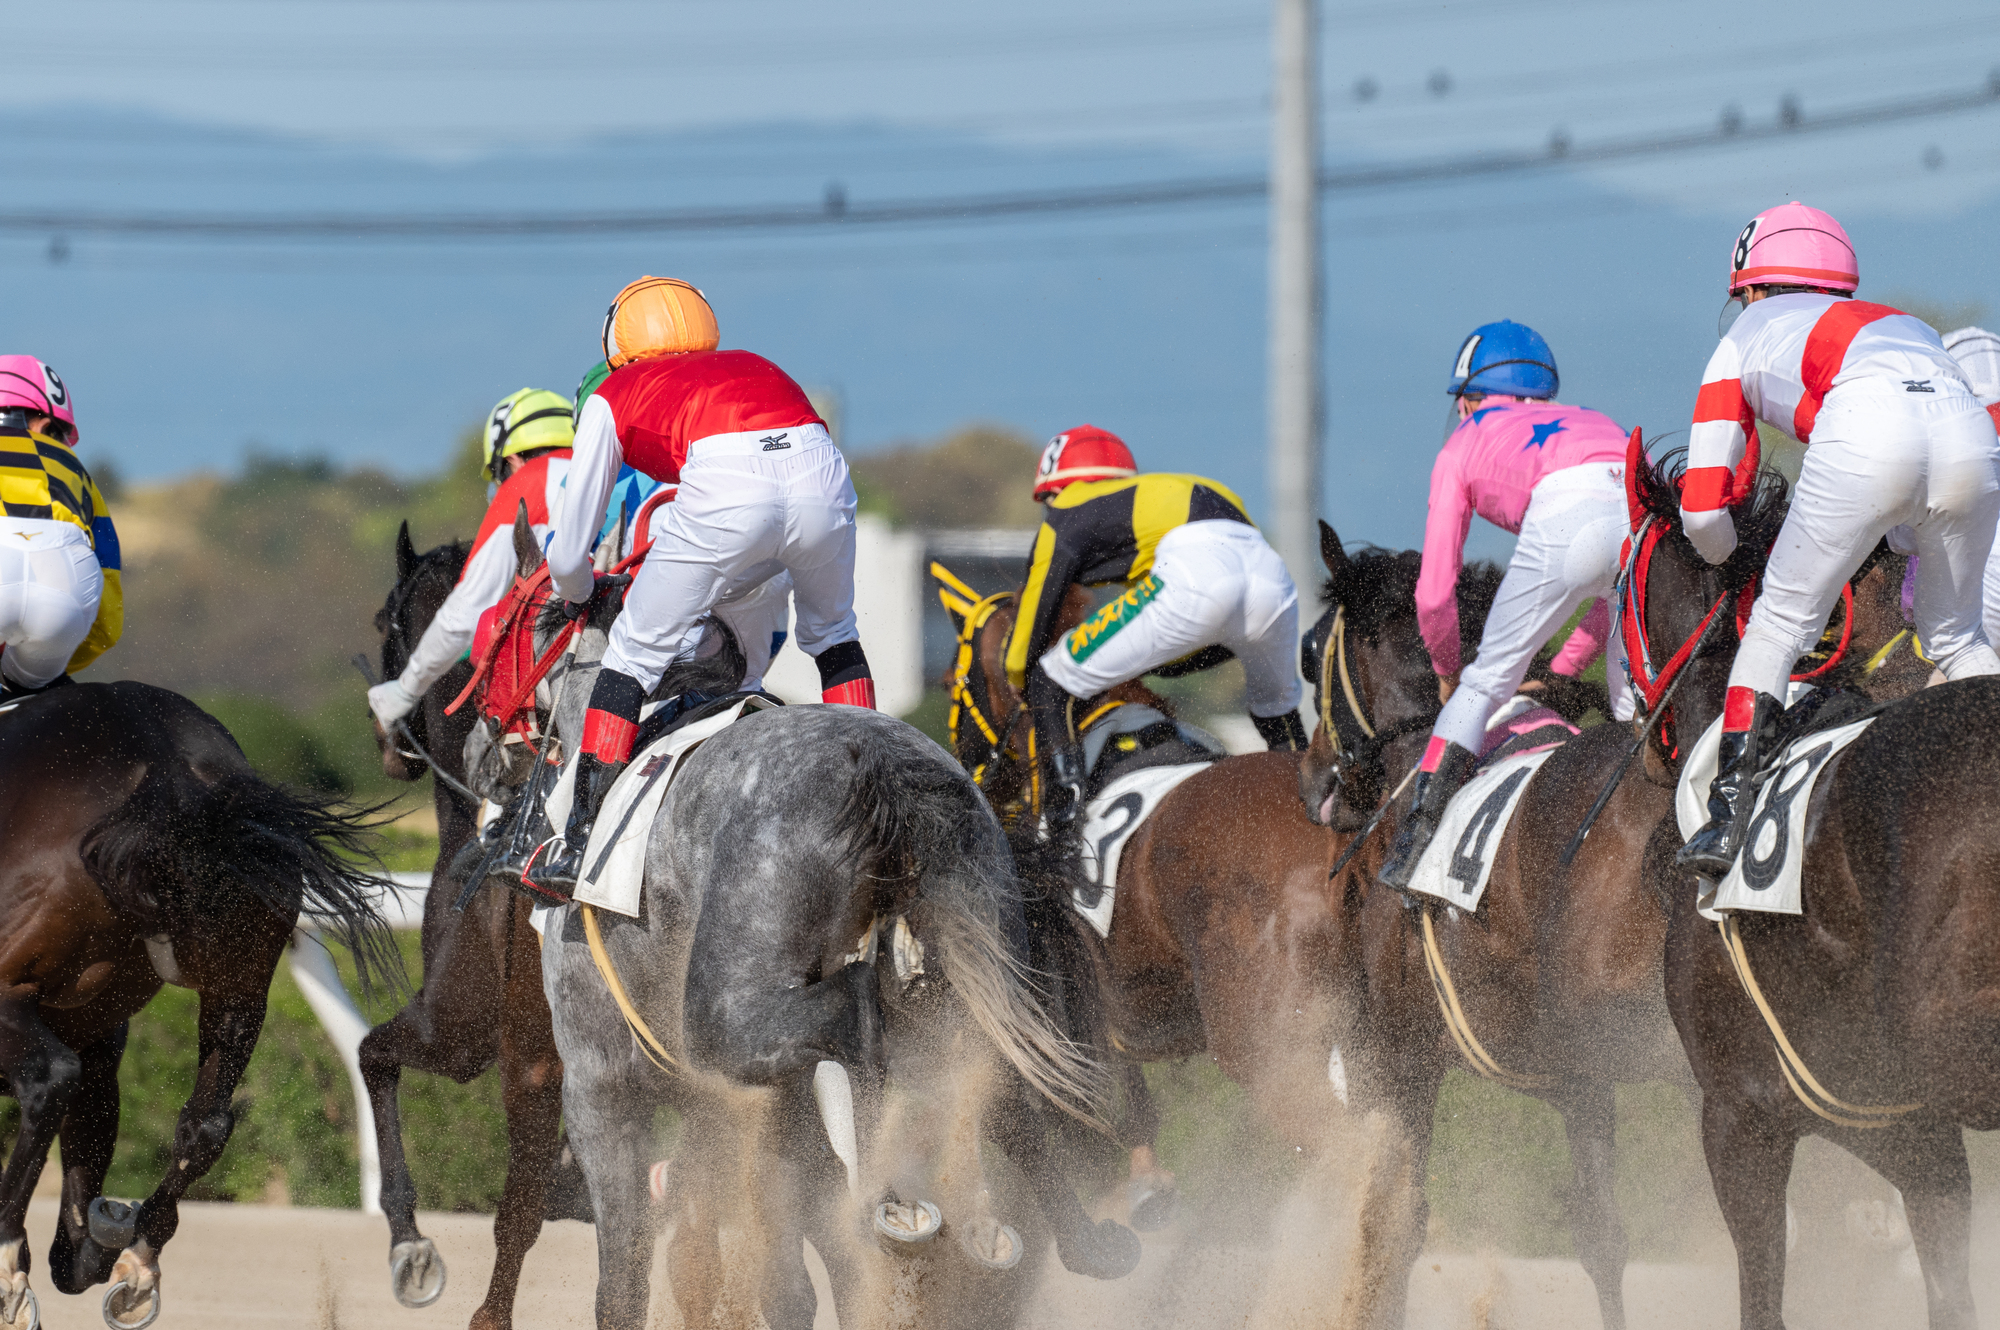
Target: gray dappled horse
x=786, y=843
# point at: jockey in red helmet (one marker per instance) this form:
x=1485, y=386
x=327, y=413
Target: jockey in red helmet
x=1896, y=437
x=1197, y=574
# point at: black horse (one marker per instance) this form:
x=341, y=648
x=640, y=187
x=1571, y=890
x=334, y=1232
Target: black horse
x=138, y=847
x=481, y=999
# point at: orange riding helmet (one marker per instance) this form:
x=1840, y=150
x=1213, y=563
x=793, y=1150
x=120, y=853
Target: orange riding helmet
x=1083, y=453
x=657, y=316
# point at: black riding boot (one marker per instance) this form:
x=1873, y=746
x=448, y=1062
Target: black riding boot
x=1055, y=737
x=1282, y=734
x=560, y=862
x=1712, y=851
x=1434, y=791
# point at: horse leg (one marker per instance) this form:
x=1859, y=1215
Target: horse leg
x=1152, y=1191
x=1926, y=1162
x=89, y=1134
x=448, y=1029
x=1749, y=1164
x=1032, y=1134
x=531, y=1090
x=228, y=1034
x=1590, y=1121
x=613, y=1131
x=801, y=1189
x=44, y=1074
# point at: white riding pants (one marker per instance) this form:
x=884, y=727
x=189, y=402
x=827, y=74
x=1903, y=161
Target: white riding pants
x=1567, y=552
x=740, y=519
x=1213, y=583
x=1881, y=457
x=49, y=588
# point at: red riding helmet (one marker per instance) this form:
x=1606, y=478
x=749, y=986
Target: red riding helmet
x=1083, y=453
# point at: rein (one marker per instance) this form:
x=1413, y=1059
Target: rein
x=972, y=610
x=1373, y=743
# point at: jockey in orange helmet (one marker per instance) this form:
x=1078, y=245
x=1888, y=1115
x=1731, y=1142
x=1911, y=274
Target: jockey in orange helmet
x=1197, y=573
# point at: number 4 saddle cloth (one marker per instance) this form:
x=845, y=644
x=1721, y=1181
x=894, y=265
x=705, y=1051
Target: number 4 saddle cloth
x=1521, y=736
x=1767, y=876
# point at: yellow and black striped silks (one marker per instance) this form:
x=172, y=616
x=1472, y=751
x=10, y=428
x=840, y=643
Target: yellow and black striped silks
x=42, y=479
x=1103, y=531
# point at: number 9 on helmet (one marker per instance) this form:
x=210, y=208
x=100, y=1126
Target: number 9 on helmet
x=27, y=384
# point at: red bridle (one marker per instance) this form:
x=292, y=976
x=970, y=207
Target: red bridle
x=1637, y=562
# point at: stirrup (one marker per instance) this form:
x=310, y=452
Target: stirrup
x=543, y=891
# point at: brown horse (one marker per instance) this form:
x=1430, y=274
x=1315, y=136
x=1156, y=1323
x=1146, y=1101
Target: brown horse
x=1875, y=1014
x=481, y=1001
x=1555, y=985
x=138, y=847
x=1226, y=937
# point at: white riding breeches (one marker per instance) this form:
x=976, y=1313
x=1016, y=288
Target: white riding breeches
x=1567, y=552
x=1880, y=458
x=1212, y=583
x=737, y=522
x=759, y=619
x=50, y=585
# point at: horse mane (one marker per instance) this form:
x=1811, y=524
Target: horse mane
x=1380, y=585
x=1758, y=518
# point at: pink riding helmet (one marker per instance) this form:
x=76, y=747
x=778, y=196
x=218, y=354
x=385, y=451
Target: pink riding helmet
x=27, y=382
x=1793, y=245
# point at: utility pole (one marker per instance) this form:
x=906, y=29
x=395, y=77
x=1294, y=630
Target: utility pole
x=1296, y=411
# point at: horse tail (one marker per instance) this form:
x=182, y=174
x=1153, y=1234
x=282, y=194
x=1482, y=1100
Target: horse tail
x=913, y=816
x=180, y=846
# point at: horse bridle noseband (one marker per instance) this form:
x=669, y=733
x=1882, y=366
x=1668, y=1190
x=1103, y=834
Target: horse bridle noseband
x=1368, y=748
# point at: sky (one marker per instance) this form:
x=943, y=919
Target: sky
x=185, y=352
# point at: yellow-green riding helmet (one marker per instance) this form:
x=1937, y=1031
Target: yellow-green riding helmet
x=526, y=420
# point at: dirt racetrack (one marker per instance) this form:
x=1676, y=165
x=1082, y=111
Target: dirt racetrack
x=264, y=1266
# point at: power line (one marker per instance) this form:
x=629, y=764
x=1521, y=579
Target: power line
x=837, y=210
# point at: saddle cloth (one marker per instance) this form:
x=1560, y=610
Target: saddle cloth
x=1108, y=822
x=614, y=865
x=1459, y=861
x=1768, y=874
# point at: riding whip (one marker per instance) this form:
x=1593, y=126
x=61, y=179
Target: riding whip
x=1354, y=845
x=1645, y=731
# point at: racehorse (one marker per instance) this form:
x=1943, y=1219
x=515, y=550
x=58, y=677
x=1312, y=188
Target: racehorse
x=1226, y=938
x=1554, y=984
x=481, y=999
x=1872, y=1017
x=137, y=847
x=825, y=894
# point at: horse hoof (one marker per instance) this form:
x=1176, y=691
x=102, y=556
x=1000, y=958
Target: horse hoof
x=416, y=1273
x=126, y=1308
x=1153, y=1206
x=994, y=1245
x=113, y=1224
x=26, y=1314
x=904, y=1226
x=1105, y=1250
x=656, y=1181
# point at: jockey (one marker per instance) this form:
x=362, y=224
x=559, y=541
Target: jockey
x=62, y=604
x=527, y=450
x=762, y=491
x=1198, y=574
x=1554, y=476
x=1896, y=436
x=1977, y=352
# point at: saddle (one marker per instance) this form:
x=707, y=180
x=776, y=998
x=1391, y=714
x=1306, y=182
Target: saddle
x=1123, y=737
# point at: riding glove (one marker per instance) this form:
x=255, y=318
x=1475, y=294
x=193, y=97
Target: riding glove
x=390, y=702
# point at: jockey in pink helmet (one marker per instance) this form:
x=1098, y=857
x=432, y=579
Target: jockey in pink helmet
x=61, y=602
x=1896, y=437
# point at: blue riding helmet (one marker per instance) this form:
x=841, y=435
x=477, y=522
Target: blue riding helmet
x=1507, y=358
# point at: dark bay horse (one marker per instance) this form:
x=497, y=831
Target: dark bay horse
x=826, y=897
x=481, y=998
x=1886, y=989
x=137, y=847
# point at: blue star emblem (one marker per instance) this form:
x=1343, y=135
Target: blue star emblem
x=1482, y=413
x=1542, y=434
